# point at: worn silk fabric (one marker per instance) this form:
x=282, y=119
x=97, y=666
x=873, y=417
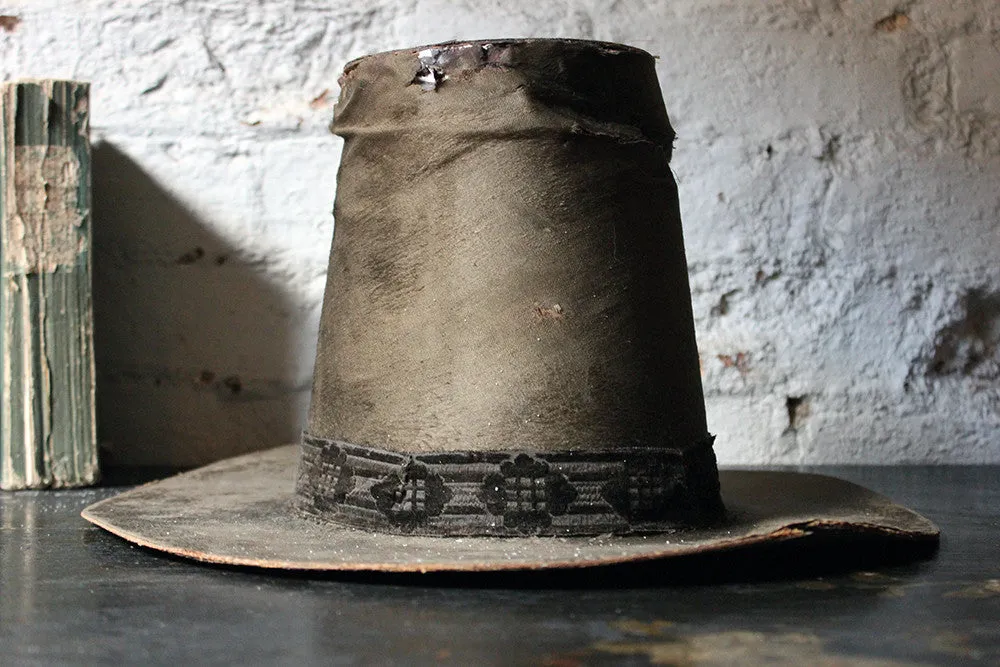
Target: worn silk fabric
x=507, y=270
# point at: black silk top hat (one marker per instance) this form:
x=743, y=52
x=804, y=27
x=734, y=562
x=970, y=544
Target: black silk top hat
x=506, y=375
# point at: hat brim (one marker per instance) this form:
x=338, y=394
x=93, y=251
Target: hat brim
x=239, y=512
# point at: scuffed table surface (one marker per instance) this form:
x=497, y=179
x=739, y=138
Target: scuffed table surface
x=72, y=593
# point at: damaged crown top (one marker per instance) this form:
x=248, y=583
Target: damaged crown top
x=517, y=85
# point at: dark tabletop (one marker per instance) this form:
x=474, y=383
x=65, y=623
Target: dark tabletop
x=71, y=593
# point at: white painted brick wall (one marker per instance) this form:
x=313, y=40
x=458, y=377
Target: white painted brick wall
x=839, y=177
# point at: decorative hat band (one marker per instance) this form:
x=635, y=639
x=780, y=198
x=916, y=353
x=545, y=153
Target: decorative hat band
x=592, y=492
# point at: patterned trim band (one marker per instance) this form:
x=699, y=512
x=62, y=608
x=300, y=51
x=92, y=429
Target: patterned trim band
x=509, y=493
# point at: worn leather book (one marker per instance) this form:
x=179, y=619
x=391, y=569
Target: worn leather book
x=47, y=423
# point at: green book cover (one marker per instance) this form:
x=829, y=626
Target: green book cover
x=47, y=421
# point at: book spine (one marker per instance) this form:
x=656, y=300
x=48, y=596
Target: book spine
x=47, y=418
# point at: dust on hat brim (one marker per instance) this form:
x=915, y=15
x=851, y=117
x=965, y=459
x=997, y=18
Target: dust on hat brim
x=239, y=512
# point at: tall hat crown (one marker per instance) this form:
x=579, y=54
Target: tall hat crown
x=507, y=343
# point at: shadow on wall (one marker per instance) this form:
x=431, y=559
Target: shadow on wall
x=193, y=347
